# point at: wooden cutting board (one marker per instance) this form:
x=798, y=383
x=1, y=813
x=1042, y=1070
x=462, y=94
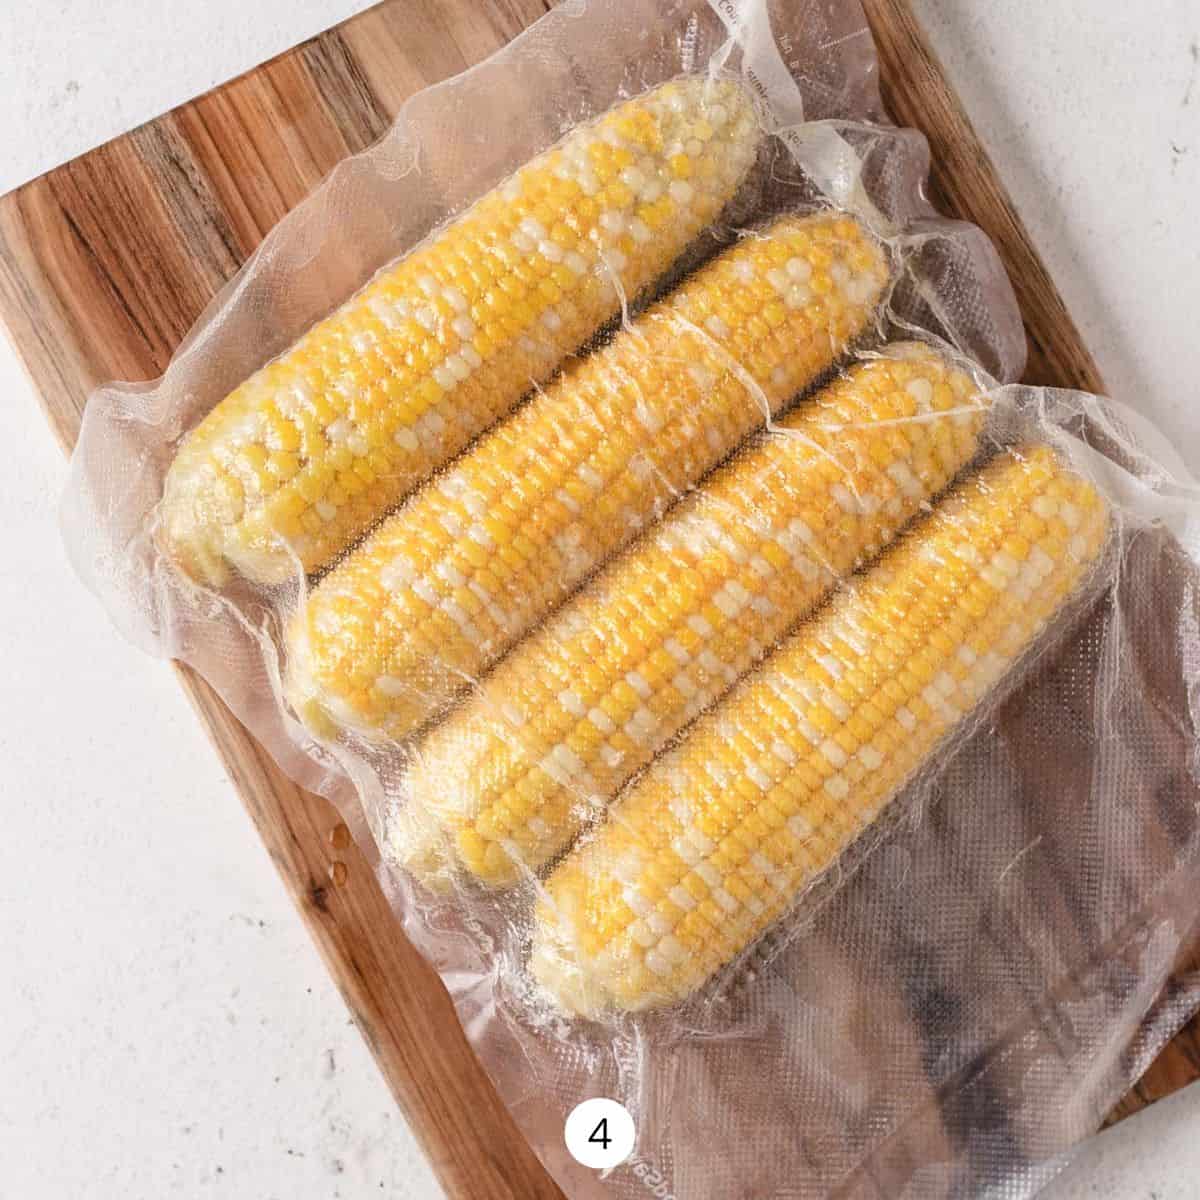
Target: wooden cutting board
x=107, y=261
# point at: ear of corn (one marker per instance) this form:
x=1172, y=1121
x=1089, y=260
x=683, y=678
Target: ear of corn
x=582, y=704
x=719, y=836
x=472, y=562
x=312, y=449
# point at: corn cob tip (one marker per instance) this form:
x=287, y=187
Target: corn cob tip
x=575, y=975
x=183, y=537
x=203, y=530
x=416, y=843
x=300, y=692
x=555, y=968
x=326, y=715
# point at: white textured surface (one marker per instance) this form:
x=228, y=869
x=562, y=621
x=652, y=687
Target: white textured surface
x=165, y=1025
x=1092, y=114
x=74, y=73
x=1153, y=1156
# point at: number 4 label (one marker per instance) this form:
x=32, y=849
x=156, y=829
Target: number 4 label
x=599, y=1133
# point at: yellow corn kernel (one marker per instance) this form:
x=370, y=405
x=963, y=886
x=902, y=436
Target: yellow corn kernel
x=441, y=344
x=603, y=941
x=632, y=425
x=631, y=659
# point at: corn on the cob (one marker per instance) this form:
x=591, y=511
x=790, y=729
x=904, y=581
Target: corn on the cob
x=309, y=451
x=717, y=838
x=589, y=699
x=454, y=578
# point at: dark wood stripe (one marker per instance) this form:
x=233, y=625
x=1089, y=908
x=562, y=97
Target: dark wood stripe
x=190, y=201
x=359, y=114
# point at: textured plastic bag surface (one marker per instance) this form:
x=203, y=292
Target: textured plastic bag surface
x=980, y=975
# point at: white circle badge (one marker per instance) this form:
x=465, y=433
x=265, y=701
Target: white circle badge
x=599, y=1133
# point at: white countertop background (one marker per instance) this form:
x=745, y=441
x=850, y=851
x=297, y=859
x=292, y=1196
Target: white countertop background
x=166, y=1028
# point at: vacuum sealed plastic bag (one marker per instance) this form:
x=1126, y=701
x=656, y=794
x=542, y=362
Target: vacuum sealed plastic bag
x=606, y=490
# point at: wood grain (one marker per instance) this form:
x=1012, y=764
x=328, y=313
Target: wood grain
x=106, y=262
